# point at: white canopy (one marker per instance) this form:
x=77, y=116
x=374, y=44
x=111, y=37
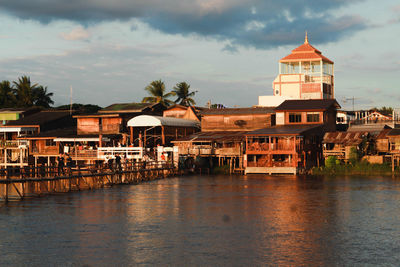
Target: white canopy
x=16, y=129
x=152, y=121
x=80, y=139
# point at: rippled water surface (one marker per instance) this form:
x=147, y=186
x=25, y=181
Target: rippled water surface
x=210, y=220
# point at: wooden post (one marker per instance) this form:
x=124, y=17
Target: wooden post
x=163, y=135
x=21, y=157
x=144, y=145
x=140, y=139
x=392, y=163
x=131, y=135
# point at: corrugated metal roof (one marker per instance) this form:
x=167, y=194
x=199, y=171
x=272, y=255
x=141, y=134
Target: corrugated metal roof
x=217, y=136
x=383, y=134
x=344, y=138
x=372, y=128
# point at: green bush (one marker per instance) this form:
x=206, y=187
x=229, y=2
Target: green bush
x=353, y=156
x=330, y=162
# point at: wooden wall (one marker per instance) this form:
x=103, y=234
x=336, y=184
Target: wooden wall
x=233, y=122
x=175, y=112
x=182, y=113
x=88, y=125
x=109, y=125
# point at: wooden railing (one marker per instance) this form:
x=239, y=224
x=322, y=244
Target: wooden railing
x=254, y=147
x=227, y=151
x=49, y=150
x=13, y=143
x=19, y=183
x=272, y=164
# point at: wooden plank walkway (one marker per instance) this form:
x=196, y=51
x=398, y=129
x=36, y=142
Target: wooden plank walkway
x=17, y=185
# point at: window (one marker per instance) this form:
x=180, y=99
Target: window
x=50, y=142
x=294, y=117
x=313, y=117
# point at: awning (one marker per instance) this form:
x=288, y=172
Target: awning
x=153, y=121
x=16, y=129
x=80, y=139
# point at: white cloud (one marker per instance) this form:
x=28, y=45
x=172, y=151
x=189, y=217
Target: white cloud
x=78, y=33
x=254, y=25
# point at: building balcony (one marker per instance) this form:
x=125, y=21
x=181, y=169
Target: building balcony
x=13, y=143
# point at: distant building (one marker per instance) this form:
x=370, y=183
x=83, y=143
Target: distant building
x=345, y=117
x=13, y=114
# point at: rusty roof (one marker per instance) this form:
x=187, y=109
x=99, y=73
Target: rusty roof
x=344, y=138
x=217, y=136
x=383, y=134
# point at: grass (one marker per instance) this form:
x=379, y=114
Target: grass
x=357, y=168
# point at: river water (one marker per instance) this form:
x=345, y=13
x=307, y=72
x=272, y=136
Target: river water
x=210, y=220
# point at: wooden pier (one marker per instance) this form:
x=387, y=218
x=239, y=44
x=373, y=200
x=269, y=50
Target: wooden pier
x=18, y=184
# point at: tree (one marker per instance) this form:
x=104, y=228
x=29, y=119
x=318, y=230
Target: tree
x=41, y=97
x=182, y=92
x=24, y=92
x=81, y=108
x=7, y=97
x=157, y=91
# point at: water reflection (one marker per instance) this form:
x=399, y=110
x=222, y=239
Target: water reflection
x=210, y=220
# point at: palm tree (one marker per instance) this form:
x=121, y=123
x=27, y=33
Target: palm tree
x=157, y=91
x=7, y=97
x=41, y=97
x=182, y=92
x=24, y=91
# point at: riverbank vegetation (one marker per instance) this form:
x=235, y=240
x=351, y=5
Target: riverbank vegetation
x=354, y=166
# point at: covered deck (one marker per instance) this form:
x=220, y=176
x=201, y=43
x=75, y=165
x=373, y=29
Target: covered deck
x=282, y=149
x=150, y=131
x=339, y=144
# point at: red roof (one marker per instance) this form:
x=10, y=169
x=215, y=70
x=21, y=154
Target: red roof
x=305, y=52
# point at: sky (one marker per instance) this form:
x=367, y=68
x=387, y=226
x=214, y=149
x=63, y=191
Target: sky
x=228, y=51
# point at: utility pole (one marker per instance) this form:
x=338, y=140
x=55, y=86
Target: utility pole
x=70, y=101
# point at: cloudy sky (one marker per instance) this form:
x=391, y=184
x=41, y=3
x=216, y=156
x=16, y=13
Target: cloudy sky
x=228, y=50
